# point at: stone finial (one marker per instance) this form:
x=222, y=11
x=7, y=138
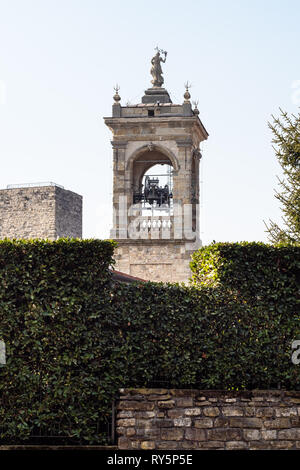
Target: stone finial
x=187, y=94
x=117, y=97
x=196, y=110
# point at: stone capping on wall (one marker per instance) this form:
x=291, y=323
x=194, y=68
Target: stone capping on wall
x=208, y=419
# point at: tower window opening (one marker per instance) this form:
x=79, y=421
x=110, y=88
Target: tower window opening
x=151, y=112
x=155, y=192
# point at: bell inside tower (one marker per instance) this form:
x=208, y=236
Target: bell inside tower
x=154, y=190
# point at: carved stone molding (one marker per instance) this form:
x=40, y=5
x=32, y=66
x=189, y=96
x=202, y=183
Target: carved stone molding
x=184, y=142
x=117, y=144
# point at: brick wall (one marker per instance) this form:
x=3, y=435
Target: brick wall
x=197, y=419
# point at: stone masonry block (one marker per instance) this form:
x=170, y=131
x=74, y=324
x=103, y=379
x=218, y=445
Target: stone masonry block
x=166, y=404
x=147, y=445
x=211, y=411
x=184, y=402
x=171, y=434
x=289, y=434
x=135, y=405
x=193, y=434
x=236, y=445
x=163, y=423
x=269, y=434
x=203, y=423
x=176, y=413
x=286, y=411
x=232, y=411
x=244, y=422
x=126, y=422
x=251, y=434
x=224, y=434
x=193, y=411
x=278, y=423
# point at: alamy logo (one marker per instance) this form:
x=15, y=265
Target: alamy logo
x=182, y=223
x=2, y=353
x=296, y=353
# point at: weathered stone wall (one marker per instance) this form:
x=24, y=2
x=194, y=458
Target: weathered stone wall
x=197, y=419
x=68, y=213
x=166, y=261
x=40, y=212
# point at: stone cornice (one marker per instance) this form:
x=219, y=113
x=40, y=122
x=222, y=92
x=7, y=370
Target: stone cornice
x=118, y=144
x=184, y=142
x=152, y=120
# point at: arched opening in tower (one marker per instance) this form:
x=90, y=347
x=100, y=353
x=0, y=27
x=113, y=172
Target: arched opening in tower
x=153, y=184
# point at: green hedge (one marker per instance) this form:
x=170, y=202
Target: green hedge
x=74, y=337
x=51, y=294
x=205, y=338
x=251, y=268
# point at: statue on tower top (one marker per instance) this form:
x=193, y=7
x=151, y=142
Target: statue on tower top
x=156, y=70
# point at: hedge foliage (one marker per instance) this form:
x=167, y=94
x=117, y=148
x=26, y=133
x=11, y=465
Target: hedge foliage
x=51, y=294
x=74, y=337
x=253, y=269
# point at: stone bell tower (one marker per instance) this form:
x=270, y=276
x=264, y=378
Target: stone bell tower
x=156, y=158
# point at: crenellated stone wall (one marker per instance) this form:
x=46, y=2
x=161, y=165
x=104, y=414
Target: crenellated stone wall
x=200, y=419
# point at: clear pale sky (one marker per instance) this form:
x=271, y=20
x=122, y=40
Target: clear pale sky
x=59, y=61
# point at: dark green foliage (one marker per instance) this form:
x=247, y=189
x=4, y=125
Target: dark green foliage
x=254, y=269
x=261, y=298
x=74, y=337
x=286, y=140
x=51, y=294
x=207, y=338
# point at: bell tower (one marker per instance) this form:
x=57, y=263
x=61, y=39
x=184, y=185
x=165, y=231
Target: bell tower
x=156, y=157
